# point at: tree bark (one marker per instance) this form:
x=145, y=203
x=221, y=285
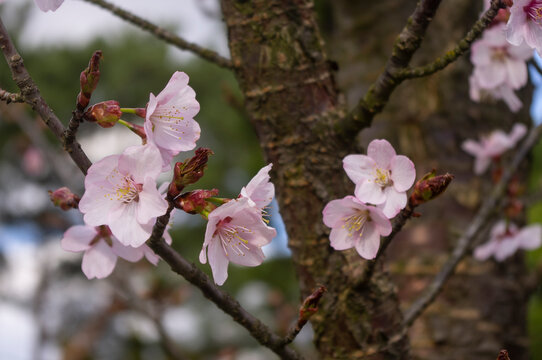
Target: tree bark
x=292, y=101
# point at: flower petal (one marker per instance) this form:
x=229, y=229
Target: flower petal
x=403, y=173
x=367, y=246
x=151, y=204
x=359, y=168
x=370, y=192
x=395, y=201
x=126, y=252
x=381, y=152
x=218, y=261
x=99, y=261
x=77, y=238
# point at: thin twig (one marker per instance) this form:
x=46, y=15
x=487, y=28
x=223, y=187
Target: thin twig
x=164, y=34
x=177, y=263
x=462, y=47
x=407, y=43
x=10, y=97
x=473, y=230
x=222, y=299
x=73, y=126
x=32, y=96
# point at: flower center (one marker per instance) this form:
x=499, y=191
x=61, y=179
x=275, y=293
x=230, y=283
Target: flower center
x=355, y=222
x=231, y=237
x=128, y=190
x=534, y=11
x=499, y=54
x=382, y=177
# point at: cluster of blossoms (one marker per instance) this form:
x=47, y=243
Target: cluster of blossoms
x=505, y=237
x=500, y=60
x=121, y=202
x=382, y=179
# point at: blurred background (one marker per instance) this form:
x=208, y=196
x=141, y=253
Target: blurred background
x=48, y=309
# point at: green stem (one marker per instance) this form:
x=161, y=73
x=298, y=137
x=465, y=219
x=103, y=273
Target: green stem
x=128, y=110
x=217, y=200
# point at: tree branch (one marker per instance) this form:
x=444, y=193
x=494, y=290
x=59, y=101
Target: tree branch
x=406, y=44
x=473, y=230
x=164, y=34
x=31, y=95
x=177, y=263
x=462, y=47
x=223, y=300
x=10, y=97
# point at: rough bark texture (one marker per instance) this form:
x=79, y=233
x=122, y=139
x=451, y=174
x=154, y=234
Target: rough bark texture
x=292, y=101
x=483, y=308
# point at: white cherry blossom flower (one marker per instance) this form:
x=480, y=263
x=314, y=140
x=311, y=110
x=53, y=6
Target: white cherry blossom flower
x=260, y=191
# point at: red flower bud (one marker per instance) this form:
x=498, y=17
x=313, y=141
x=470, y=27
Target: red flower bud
x=106, y=113
x=429, y=187
x=189, y=172
x=194, y=202
x=310, y=305
x=64, y=198
x=89, y=79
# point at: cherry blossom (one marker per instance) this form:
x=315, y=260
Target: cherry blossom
x=235, y=232
x=49, y=5
x=501, y=92
x=260, y=191
x=356, y=225
x=492, y=146
x=169, y=122
x=101, y=250
x=525, y=24
x=506, y=240
x=497, y=62
x=381, y=177
x=120, y=191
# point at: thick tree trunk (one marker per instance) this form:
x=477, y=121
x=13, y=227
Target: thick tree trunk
x=483, y=308
x=292, y=101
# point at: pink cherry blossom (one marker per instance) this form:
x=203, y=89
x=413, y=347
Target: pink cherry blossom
x=169, y=122
x=525, y=24
x=505, y=240
x=259, y=190
x=235, y=232
x=101, y=250
x=49, y=5
x=502, y=92
x=120, y=191
x=382, y=177
x=492, y=146
x=497, y=62
x=356, y=225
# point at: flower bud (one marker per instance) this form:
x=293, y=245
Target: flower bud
x=189, y=172
x=64, y=198
x=429, y=187
x=194, y=202
x=310, y=305
x=89, y=79
x=106, y=113
x=503, y=355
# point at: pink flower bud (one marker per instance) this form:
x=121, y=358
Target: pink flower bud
x=194, y=202
x=64, y=198
x=89, y=79
x=310, y=305
x=106, y=113
x=429, y=187
x=189, y=172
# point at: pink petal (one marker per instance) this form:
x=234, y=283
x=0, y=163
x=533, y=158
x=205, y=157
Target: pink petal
x=151, y=204
x=484, y=252
x=381, y=222
x=506, y=248
x=516, y=22
x=472, y=147
x=98, y=261
x=510, y=98
x=127, y=229
x=370, y=192
x=336, y=210
x=518, y=131
x=78, y=238
x=381, y=152
x=177, y=82
x=530, y=237
x=517, y=73
x=218, y=261
x=49, y=5
x=395, y=201
x=340, y=238
x=259, y=189
x=481, y=164
x=126, y=252
x=367, y=246
x=150, y=255
x=533, y=35
x=403, y=173
x=359, y=167
x=140, y=162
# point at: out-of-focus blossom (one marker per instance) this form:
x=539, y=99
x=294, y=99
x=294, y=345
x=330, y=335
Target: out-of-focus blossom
x=235, y=232
x=101, y=250
x=525, y=24
x=64, y=198
x=505, y=240
x=120, y=191
x=492, y=146
x=49, y=5
x=356, y=225
x=33, y=162
x=382, y=177
x=502, y=92
x=169, y=121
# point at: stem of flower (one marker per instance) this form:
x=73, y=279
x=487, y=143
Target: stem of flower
x=217, y=200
